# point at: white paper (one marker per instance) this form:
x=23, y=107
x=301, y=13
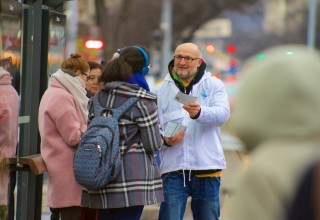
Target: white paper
x=173, y=129
x=184, y=98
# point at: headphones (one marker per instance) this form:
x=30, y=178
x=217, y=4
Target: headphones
x=145, y=69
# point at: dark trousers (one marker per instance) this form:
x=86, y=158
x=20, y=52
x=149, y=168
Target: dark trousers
x=12, y=186
x=67, y=213
x=127, y=213
x=89, y=214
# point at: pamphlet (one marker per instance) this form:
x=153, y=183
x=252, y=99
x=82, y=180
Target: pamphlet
x=184, y=98
x=173, y=129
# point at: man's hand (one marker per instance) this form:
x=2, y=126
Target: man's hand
x=192, y=108
x=175, y=139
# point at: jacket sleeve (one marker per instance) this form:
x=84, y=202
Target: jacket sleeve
x=218, y=111
x=69, y=126
x=149, y=126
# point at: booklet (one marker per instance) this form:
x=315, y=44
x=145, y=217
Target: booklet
x=173, y=129
x=184, y=98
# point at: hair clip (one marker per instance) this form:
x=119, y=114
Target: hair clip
x=115, y=55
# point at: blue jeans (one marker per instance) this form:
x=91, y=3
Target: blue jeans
x=204, y=192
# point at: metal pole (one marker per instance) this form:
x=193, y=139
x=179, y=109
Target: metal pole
x=312, y=18
x=166, y=27
x=29, y=187
x=72, y=25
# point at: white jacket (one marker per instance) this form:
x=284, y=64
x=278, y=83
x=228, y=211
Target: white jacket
x=201, y=147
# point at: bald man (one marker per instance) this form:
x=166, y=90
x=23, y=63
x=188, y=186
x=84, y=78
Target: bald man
x=191, y=162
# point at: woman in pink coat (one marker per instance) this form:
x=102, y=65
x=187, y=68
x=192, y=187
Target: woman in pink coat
x=9, y=114
x=62, y=121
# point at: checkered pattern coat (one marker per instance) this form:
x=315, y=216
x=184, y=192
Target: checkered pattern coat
x=139, y=182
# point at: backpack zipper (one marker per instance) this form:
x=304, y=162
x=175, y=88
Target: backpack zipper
x=99, y=150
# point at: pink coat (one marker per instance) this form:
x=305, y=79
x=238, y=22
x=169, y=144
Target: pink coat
x=9, y=114
x=61, y=125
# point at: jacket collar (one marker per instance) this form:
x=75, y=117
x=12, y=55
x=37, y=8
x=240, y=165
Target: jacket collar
x=195, y=80
x=127, y=89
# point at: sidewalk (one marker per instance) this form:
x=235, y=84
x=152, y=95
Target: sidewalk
x=235, y=160
x=149, y=213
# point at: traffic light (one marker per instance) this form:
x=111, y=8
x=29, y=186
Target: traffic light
x=231, y=49
x=93, y=44
x=210, y=48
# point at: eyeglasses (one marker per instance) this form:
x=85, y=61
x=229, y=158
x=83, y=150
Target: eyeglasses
x=187, y=59
x=87, y=74
x=92, y=77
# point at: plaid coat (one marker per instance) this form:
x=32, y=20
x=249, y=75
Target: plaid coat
x=139, y=182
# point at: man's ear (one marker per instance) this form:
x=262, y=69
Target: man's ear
x=200, y=62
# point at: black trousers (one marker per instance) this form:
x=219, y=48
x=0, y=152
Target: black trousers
x=12, y=186
x=67, y=213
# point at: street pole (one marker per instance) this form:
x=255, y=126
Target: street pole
x=312, y=18
x=72, y=26
x=166, y=27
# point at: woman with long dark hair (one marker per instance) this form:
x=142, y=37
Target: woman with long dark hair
x=139, y=181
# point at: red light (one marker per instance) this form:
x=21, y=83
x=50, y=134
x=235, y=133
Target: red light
x=93, y=44
x=231, y=48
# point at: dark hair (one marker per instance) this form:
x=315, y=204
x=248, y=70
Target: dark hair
x=121, y=68
x=94, y=65
x=74, y=63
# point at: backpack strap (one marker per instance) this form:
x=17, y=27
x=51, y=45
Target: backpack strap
x=97, y=107
x=118, y=112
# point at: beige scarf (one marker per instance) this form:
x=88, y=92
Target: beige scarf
x=77, y=89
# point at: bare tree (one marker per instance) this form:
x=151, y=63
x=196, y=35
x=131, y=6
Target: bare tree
x=136, y=22
x=127, y=22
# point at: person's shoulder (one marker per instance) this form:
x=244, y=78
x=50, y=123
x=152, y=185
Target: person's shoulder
x=58, y=95
x=58, y=102
x=14, y=92
x=144, y=94
x=157, y=88
x=8, y=88
x=208, y=77
x=8, y=95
